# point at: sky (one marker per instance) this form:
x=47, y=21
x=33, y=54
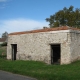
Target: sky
x=24, y=15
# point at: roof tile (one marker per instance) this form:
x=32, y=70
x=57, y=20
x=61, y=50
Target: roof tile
x=45, y=30
x=2, y=39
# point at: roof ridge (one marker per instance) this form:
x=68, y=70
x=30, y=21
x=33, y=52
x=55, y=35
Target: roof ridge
x=45, y=30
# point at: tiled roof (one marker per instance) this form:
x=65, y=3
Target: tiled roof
x=45, y=30
x=2, y=39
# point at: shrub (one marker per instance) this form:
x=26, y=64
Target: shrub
x=4, y=44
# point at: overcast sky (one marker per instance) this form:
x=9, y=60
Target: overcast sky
x=23, y=15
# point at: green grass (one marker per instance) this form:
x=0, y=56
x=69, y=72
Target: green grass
x=42, y=71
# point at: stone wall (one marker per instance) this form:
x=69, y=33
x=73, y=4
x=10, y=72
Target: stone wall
x=75, y=45
x=36, y=46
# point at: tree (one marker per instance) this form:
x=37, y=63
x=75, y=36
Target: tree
x=67, y=16
x=5, y=34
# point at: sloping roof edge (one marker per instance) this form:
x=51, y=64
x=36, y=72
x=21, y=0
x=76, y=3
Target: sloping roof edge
x=45, y=30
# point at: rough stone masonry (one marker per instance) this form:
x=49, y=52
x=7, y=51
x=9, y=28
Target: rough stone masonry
x=36, y=45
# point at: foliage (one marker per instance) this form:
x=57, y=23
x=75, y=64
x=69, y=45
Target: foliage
x=4, y=35
x=4, y=44
x=67, y=16
x=2, y=52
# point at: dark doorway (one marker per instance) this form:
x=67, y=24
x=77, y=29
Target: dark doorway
x=14, y=51
x=55, y=54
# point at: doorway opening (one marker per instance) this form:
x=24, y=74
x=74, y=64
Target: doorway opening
x=14, y=51
x=55, y=53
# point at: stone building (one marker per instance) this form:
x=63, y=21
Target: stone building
x=50, y=45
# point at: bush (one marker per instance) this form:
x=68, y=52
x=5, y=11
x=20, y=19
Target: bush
x=4, y=44
x=3, y=52
x=3, y=56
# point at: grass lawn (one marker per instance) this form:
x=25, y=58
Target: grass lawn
x=42, y=71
